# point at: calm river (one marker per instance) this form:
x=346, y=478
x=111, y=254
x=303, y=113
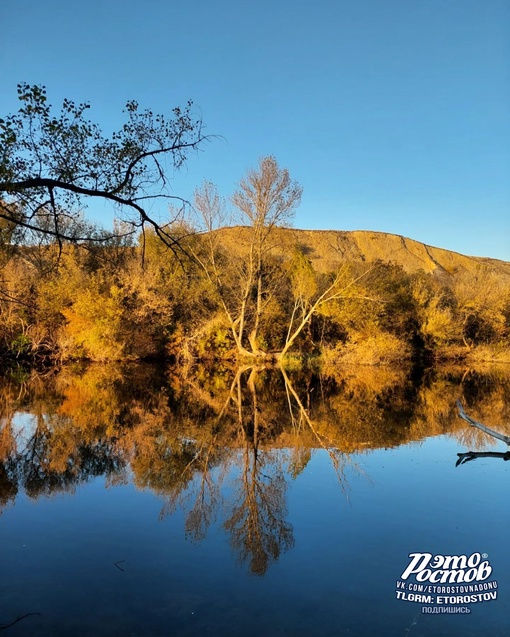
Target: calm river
x=153, y=502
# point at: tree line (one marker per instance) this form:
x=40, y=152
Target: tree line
x=183, y=287
x=241, y=295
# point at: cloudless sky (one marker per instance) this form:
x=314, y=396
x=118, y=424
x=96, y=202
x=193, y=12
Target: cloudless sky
x=394, y=115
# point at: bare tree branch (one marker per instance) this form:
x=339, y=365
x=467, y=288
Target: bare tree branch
x=50, y=164
x=481, y=426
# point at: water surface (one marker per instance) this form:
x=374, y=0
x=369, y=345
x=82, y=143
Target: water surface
x=151, y=502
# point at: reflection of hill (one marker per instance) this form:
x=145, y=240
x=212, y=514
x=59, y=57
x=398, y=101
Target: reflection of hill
x=182, y=437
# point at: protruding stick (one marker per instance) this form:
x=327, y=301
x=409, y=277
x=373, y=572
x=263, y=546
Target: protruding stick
x=479, y=425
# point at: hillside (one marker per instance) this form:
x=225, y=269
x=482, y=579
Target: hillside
x=327, y=247
x=147, y=302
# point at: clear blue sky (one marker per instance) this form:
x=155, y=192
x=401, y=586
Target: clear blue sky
x=394, y=115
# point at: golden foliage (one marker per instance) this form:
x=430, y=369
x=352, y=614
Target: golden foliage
x=373, y=349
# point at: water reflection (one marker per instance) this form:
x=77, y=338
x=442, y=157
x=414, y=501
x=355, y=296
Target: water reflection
x=224, y=446
x=473, y=455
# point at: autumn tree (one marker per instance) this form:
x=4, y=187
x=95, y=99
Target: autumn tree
x=254, y=280
x=481, y=303
x=434, y=305
x=265, y=200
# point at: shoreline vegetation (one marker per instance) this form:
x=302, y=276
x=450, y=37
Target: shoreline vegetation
x=218, y=301
x=224, y=279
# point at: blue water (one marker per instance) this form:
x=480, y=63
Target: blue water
x=339, y=545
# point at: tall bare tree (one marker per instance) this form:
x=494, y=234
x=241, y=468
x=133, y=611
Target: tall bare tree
x=265, y=200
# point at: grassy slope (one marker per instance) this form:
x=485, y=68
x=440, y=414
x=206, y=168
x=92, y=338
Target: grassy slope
x=327, y=247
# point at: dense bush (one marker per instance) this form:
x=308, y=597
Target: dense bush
x=125, y=302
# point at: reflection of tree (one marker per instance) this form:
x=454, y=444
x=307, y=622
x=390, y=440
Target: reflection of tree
x=258, y=529
x=29, y=466
x=473, y=455
x=8, y=488
x=207, y=502
x=250, y=428
x=257, y=525
x=49, y=450
x=256, y=517
x=329, y=444
x=181, y=471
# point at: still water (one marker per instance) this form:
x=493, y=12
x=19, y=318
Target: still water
x=254, y=502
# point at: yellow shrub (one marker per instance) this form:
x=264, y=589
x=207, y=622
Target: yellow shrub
x=379, y=349
x=496, y=353
x=94, y=324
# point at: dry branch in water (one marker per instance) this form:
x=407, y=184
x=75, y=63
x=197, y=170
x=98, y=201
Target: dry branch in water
x=481, y=426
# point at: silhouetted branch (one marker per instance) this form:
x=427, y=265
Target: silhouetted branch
x=50, y=164
x=18, y=619
x=473, y=455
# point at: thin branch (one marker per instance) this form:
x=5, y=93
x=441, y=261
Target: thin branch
x=18, y=619
x=481, y=426
x=52, y=184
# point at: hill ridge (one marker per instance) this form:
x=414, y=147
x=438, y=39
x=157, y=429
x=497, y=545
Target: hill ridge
x=327, y=247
